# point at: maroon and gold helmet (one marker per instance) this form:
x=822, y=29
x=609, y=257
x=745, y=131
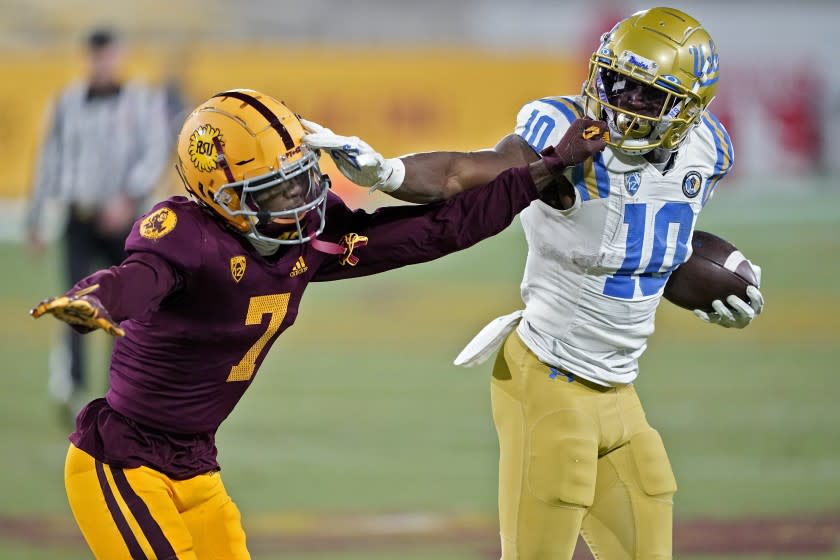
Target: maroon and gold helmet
x=240, y=154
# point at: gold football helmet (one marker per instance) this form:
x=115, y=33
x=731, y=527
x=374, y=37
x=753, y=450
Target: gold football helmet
x=240, y=155
x=669, y=58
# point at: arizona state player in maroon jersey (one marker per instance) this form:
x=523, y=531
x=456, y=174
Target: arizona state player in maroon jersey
x=141, y=472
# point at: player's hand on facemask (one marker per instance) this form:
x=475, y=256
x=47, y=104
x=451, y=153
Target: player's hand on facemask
x=355, y=158
x=739, y=313
x=584, y=138
x=83, y=311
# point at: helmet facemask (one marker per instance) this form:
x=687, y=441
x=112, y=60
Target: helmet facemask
x=664, y=55
x=658, y=116
x=279, y=200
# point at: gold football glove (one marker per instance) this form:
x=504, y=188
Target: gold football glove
x=82, y=310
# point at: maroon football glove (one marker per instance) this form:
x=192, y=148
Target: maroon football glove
x=584, y=138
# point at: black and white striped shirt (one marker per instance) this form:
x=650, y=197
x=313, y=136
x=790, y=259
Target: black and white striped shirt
x=99, y=147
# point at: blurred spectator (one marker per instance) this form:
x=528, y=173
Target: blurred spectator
x=103, y=153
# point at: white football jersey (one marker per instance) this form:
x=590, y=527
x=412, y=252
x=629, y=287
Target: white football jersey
x=595, y=273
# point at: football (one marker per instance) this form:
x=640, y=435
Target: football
x=716, y=269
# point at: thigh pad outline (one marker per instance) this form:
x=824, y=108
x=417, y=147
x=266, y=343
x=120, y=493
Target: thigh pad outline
x=563, y=458
x=651, y=462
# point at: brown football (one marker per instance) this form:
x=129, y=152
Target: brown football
x=716, y=269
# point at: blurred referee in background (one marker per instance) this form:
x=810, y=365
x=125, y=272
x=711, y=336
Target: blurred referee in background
x=103, y=154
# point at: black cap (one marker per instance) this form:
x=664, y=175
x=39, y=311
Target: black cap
x=100, y=38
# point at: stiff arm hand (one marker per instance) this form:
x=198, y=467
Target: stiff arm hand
x=583, y=139
x=355, y=158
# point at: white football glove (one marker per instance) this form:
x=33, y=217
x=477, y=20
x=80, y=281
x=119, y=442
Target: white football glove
x=356, y=159
x=739, y=314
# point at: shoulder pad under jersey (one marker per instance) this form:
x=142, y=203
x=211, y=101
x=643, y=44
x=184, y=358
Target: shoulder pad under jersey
x=543, y=122
x=716, y=145
x=175, y=230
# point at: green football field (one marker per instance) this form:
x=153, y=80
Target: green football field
x=359, y=439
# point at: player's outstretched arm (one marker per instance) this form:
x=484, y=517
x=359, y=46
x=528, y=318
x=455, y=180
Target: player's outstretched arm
x=396, y=236
x=434, y=176
x=107, y=297
x=419, y=178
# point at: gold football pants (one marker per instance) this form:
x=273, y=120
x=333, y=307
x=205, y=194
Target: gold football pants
x=143, y=514
x=576, y=458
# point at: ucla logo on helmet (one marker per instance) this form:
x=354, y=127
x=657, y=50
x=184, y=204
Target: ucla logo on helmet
x=706, y=63
x=632, y=181
x=203, y=148
x=691, y=184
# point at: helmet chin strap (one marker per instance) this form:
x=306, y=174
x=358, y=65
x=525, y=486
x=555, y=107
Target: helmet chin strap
x=327, y=247
x=266, y=248
x=222, y=160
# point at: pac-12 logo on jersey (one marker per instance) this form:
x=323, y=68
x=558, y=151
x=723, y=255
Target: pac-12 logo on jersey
x=691, y=184
x=237, y=267
x=632, y=181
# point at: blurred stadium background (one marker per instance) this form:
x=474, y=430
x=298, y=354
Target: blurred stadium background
x=359, y=439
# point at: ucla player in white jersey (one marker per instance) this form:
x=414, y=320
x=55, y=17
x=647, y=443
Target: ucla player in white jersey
x=629, y=227
x=577, y=453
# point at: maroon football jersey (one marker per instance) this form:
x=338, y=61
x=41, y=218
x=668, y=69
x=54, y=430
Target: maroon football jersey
x=200, y=309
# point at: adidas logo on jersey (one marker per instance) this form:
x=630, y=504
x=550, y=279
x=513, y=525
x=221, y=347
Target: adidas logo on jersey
x=299, y=268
